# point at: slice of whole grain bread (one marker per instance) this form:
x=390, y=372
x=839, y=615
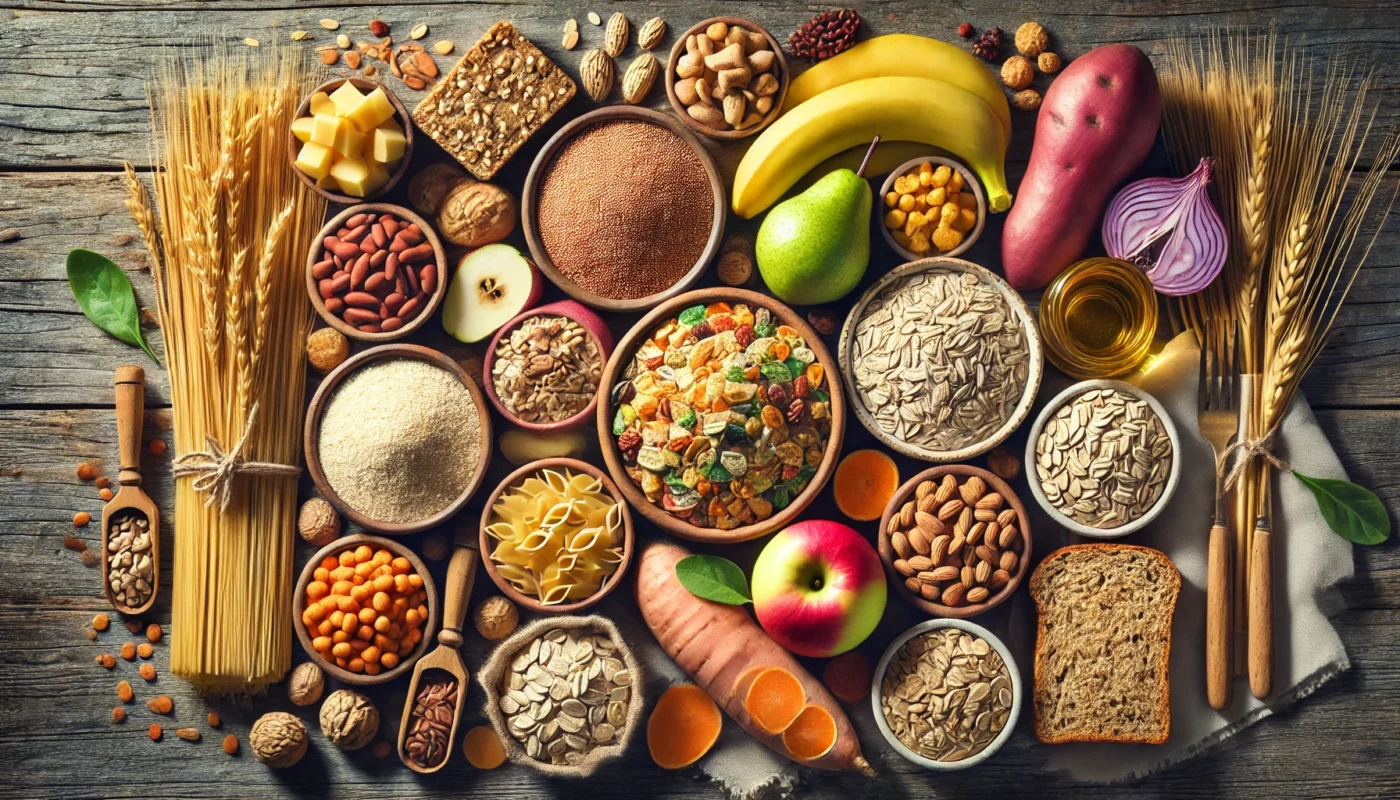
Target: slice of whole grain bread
x=1104, y=643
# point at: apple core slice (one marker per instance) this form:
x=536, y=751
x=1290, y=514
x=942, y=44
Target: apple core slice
x=491, y=285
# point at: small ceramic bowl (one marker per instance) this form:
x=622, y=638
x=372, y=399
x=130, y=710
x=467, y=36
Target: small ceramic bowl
x=308, y=573
x=1173, y=477
x=529, y=207
x=1016, y=694
x=780, y=71
x=971, y=184
x=888, y=554
x=400, y=115
x=321, y=399
x=318, y=251
x=590, y=322
x=488, y=544
x=617, y=366
x=1036, y=366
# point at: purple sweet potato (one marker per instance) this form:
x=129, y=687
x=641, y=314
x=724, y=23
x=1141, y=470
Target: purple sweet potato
x=1096, y=126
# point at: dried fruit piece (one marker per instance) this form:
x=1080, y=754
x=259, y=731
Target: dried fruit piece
x=328, y=55
x=812, y=734
x=352, y=59
x=153, y=632
x=231, y=744
x=965, y=30
x=118, y=714
x=848, y=676
x=774, y=699
x=148, y=672
x=154, y=732
x=683, y=726
x=81, y=519
x=86, y=471
x=100, y=622
x=825, y=35
x=188, y=734
x=379, y=27
x=124, y=692
x=988, y=45
x=214, y=720
x=128, y=651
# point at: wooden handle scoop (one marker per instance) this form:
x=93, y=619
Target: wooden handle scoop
x=130, y=521
x=445, y=658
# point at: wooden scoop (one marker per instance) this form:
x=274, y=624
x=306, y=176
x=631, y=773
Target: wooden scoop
x=461, y=573
x=131, y=410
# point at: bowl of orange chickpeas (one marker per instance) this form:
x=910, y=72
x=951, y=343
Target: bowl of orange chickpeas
x=365, y=609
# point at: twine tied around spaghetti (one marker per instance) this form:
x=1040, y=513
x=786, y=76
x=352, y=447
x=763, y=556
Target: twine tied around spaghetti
x=214, y=469
x=1249, y=449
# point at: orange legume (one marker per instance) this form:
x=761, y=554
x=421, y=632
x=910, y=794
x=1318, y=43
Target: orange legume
x=157, y=447
x=154, y=732
x=153, y=632
x=81, y=519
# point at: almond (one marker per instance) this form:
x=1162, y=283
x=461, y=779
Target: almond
x=425, y=64
x=352, y=59
x=570, y=40
x=651, y=33
x=418, y=32
x=329, y=55
x=188, y=734
x=640, y=76
x=597, y=73
x=615, y=36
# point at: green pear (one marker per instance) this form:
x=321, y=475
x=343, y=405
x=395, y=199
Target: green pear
x=814, y=248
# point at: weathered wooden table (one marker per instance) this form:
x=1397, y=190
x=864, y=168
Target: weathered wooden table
x=73, y=107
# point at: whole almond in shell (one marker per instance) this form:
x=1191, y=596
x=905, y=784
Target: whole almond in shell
x=597, y=73
x=640, y=76
x=615, y=35
x=651, y=32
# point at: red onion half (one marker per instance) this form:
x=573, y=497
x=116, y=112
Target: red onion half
x=1169, y=228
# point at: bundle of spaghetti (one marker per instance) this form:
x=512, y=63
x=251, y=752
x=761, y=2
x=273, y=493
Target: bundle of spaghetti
x=234, y=227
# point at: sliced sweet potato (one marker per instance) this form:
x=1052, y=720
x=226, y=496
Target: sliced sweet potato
x=774, y=699
x=683, y=726
x=812, y=734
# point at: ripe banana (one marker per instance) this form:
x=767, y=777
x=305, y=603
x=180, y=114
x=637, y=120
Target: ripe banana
x=906, y=55
x=896, y=109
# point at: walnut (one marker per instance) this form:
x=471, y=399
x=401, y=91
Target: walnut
x=349, y=719
x=431, y=184
x=1004, y=463
x=1028, y=100
x=1032, y=40
x=326, y=348
x=1017, y=72
x=822, y=320
x=278, y=739
x=476, y=214
x=496, y=618
x=1048, y=62
x=307, y=683
x=318, y=522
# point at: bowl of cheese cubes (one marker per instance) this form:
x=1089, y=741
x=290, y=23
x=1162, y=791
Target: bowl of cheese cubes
x=351, y=140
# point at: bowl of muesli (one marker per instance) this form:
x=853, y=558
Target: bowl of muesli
x=723, y=415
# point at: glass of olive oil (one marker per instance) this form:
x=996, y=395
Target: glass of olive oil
x=1098, y=318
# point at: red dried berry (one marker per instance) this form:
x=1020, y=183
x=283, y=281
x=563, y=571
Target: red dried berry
x=703, y=330
x=988, y=45
x=801, y=386
x=379, y=27
x=825, y=35
x=776, y=395
x=744, y=335
x=965, y=30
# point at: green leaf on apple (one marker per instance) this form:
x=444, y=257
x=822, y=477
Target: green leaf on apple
x=714, y=578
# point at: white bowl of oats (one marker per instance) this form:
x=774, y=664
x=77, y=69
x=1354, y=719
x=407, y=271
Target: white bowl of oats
x=963, y=671
x=1106, y=458
x=943, y=359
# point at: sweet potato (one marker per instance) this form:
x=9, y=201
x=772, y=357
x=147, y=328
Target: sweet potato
x=1096, y=125
x=718, y=645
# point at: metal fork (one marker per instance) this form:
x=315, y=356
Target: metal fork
x=1218, y=422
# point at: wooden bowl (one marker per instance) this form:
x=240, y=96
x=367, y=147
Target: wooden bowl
x=617, y=365
x=530, y=207
x=781, y=72
x=487, y=545
x=405, y=121
x=313, y=434
x=846, y=347
x=317, y=250
x=299, y=605
x=888, y=556
x=590, y=322
x=969, y=180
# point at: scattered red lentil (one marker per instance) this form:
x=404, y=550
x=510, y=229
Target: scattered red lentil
x=153, y=632
x=124, y=692
x=153, y=732
x=118, y=714
x=144, y=650
x=89, y=558
x=107, y=660
x=100, y=622
x=160, y=704
x=133, y=625
x=105, y=494
x=148, y=672
x=214, y=719
x=231, y=744
x=157, y=447
x=86, y=471
x=103, y=482
x=81, y=519
x=129, y=651
x=90, y=634
x=74, y=543
x=382, y=748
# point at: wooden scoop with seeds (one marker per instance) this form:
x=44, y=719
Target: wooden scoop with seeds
x=461, y=574
x=130, y=521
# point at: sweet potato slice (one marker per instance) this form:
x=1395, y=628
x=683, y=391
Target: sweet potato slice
x=812, y=734
x=683, y=726
x=774, y=699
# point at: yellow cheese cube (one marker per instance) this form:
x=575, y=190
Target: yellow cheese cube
x=301, y=128
x=350, y=143
x=314, y=159
x=321, y=103
x=327, y=129
x=353, y=176
x=391, y=124
x=372, y=110
x=346, y=98
x=388, y=145
x=328, y=183
x=378, y=176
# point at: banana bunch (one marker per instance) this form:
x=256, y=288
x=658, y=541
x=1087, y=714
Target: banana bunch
x=899, y=87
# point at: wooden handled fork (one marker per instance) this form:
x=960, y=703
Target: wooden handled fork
x=1218, y=421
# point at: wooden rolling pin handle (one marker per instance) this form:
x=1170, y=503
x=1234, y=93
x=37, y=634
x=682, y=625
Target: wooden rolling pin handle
x=1261, y=615
x=1218, y=667
x=131, y=410
x=461, y=574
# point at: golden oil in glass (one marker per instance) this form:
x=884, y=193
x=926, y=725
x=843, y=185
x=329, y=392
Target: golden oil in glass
x=1098, y=318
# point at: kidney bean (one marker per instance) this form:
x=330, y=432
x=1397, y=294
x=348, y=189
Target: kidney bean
x=355, y=234
x=416, y=253
x=377, y=273
x=380, y=238
x=371, y=328
x=427, y=278
x=360, y=271
x=377, y=259
x=384, y=311
x=342, y=249
x=391, y=226
x=323, y=269
x=340, y=283
x=361, y=300
x=411, y=275
x=394, y=300
x=391, y=267
x=360, y=316
x=375, y=281
x=326, y=287
x=357, y=220
x=391, y=324
x=367, y=245
x=410, y=308
x=335, y=305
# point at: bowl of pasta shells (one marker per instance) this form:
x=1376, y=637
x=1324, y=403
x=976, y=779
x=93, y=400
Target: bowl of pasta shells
x=556, y=536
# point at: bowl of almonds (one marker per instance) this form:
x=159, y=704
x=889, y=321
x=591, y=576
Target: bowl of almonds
x=956, y=541
x=726, y=78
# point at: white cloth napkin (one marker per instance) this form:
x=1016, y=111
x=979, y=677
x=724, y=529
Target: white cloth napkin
x=1309, y=560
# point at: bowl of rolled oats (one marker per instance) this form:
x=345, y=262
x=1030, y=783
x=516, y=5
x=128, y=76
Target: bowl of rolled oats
x=1106, y=458
x=946, y=694
x=542, y=368
x=943, y=357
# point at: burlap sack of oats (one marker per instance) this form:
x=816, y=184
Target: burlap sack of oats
x=498, y=669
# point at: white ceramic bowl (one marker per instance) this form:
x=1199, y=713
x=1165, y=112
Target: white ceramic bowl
x=969, y=180
x=1016, y=694
x=1078, y=527
x=846, y=347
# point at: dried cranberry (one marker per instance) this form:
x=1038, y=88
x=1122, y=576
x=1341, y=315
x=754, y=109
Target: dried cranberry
x=744, y=335
x=789, y=472
x=777, y=395
x=703, y=329
x=988, y=45
x=965, y=30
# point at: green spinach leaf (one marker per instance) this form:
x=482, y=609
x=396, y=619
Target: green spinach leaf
x=105, y=295
x=1353, y=512
x=714, y=578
